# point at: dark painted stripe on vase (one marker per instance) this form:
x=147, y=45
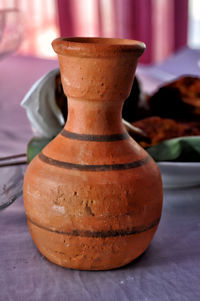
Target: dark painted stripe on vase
x=99, y=234
x=95, y=138
x=84, y=167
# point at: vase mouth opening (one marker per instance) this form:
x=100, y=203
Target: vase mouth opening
x=103, y=41
x=64, y=45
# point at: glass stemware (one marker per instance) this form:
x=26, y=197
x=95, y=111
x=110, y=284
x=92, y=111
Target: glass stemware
x=10, y=31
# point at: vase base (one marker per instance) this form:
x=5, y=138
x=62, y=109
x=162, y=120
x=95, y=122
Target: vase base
x=89, y=253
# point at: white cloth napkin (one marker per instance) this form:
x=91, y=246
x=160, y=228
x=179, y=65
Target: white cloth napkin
x=45, y=116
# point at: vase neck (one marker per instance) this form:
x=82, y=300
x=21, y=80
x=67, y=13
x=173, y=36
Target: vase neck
x=94, y=117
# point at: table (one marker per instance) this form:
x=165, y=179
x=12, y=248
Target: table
x=168, y=270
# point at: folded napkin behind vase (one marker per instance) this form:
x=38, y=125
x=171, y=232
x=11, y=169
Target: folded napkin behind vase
x=42, y=110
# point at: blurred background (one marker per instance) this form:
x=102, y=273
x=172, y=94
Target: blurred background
x=164, y=25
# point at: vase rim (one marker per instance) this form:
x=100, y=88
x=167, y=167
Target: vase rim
x=96, y=46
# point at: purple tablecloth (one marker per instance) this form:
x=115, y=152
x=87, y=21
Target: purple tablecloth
x=169, y=269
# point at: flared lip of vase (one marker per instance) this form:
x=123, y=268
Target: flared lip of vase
x=96, y=46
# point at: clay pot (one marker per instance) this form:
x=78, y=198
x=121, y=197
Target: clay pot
x=93, y=196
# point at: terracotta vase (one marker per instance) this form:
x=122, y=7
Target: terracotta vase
x=93, y=196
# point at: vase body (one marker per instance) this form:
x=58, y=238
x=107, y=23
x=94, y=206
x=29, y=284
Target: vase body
x=93, y=196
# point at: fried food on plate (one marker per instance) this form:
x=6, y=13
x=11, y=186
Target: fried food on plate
x=179, y=99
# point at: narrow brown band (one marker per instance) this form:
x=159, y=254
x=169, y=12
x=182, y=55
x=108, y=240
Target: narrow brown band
x=100, y=234
x=84, y=167
x=94, y=138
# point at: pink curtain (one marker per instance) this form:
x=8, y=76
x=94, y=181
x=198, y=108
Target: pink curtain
x=161, y=24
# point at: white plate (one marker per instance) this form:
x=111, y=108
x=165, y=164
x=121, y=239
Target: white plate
x=180, y=174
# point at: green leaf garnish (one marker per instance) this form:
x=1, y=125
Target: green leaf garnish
x=182, y=149
x=35, y=146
